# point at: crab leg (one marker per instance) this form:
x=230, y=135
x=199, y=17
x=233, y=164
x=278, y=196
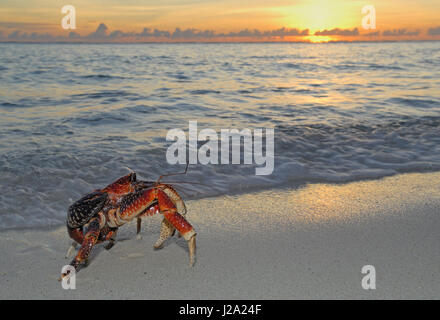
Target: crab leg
x=185, y=229
x=138, y=225
x=108, y=234
x=151, y=211
x=90, y=239
x=76, y=234
x=170, y=213
x=166, y=231
x=137, y=204
x=71, y=249
x=138, y=228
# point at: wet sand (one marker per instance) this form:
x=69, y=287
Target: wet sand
x=306, y=243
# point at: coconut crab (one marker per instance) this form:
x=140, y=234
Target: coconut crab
x=96, y=217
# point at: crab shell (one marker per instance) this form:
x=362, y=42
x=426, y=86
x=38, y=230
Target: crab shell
x=83, y=210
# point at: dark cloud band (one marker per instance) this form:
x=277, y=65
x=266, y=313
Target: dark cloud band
x=102, y=34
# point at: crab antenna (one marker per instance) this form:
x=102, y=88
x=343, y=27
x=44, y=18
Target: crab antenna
x=173, y=174
x=188, y=182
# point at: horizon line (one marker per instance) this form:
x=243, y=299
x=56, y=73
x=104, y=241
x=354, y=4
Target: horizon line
x=215, y=42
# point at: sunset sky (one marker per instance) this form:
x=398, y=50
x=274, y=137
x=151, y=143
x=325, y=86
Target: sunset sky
x=224, y=19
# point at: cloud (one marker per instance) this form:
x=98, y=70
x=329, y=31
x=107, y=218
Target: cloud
x=372, y=34
x=74, y=35
x=284, y=32
x=281, y=33
x=338, y=32
x=100, y=33
x=434, y=31
x=192, y=34
x=120, y=34
x=400, y=33
x=147, y=32
x=103, y=34
x=195, y=34
x=17, y=35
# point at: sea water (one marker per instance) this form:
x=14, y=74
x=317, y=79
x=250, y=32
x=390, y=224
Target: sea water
x=74, y=117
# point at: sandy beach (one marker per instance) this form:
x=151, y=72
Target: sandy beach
x=304, y=243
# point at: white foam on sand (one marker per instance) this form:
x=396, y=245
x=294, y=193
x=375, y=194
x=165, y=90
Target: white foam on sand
x=281, y=244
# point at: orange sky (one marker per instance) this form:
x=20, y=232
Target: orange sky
x=225, y=16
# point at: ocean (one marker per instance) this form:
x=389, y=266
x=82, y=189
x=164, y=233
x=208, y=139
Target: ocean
x=74, y=117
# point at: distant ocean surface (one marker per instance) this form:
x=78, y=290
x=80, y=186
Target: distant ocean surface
x=74, y=118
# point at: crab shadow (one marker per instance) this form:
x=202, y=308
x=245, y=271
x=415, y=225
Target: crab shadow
x=101, y=247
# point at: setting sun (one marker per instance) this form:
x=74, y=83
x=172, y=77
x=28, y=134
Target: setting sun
x=319, y=39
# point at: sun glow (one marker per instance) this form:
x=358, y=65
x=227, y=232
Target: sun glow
x=321, y=14
x=319, y=39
